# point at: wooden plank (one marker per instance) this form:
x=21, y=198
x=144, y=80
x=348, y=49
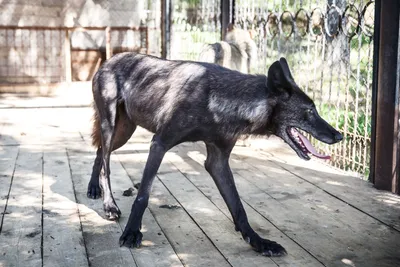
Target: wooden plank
x=22, y=228
x=100, y=235
x=108, y=43
x=155, y=249
x=189, y=242
x=218, y=228
x=63, y=243
x=68, y=60
x=213, y=222
x=332, y=231
x=157, y=252
x=197, y=174
x=381, y=205
x=8, y=157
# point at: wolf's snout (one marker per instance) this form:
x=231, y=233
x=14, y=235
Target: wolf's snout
x=338, y=137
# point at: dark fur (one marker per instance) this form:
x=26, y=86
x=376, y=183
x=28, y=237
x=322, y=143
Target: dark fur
x=188, y=101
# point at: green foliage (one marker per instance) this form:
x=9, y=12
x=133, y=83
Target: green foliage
x=359, y=125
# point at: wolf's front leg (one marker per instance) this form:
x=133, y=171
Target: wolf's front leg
x=132, y=237
x=217, y=164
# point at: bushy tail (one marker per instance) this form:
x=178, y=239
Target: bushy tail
x=96, y=134
x=210, y=53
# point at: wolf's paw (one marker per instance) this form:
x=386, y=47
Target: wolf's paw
x=267, y=247
x=131, y=238
x=94, y=190
x=112, y=211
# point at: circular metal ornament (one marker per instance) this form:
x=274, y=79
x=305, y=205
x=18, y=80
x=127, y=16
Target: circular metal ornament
x=367, y=19
x=333, y=21
x=316, y=22
x=272, y=25
x=302, y=20
x=286, y=23
x=351, y=21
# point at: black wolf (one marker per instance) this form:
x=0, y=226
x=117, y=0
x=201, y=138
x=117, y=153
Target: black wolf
x=237, y=52
x=182, y=101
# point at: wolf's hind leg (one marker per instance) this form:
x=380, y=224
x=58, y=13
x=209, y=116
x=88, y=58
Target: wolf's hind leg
x=124, y=130
x=217, y=164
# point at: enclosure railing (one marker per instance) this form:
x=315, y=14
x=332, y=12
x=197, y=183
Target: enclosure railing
x=329, y=47
x=194, y=23
x=44, y=55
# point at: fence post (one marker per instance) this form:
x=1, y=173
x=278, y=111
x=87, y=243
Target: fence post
x=108, y=43
x=226, y=15
x=385, y=119
x=166, y=10
x=67, y=52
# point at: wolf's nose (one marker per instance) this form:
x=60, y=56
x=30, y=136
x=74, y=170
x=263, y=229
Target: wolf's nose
x=338, y=137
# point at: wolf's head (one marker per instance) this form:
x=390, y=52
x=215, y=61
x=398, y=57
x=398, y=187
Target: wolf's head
x=294, y=111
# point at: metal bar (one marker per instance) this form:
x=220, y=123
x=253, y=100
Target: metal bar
x=226, y=16
x=165, y=28
x=386, y=87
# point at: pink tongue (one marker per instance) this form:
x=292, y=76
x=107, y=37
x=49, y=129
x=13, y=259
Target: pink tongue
x=310, y=147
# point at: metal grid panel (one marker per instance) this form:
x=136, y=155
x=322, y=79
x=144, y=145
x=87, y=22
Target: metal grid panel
x=32, y=36
x=194, y=23
x=31, y=56
x=329, y=46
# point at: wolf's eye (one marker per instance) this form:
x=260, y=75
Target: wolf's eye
x=309, y=113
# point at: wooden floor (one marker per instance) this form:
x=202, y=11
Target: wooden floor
x=320, y=217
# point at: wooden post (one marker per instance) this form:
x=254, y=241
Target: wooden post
x=67, y=52
x=108, y=43
x=147, y=40
x=385, y=136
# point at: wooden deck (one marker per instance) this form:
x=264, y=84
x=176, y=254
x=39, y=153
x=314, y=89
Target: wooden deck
x=321, y=217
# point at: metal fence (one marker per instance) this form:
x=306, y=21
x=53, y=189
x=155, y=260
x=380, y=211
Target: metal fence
x=31, y=56
x=329, y=46
x=44, y=42
x=194, y=23
x=45, y=55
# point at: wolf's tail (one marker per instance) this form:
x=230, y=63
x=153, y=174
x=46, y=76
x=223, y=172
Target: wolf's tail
x=96, y=134
x=210, y=53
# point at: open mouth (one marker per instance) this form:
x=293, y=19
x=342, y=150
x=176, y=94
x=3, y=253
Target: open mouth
x=303, y=145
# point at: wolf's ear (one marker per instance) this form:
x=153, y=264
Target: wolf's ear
x=285, y=68
x=279, y=77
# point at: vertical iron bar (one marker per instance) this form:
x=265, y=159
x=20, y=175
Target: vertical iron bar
x=385, y=120
x=166, y=18
x=226, y=15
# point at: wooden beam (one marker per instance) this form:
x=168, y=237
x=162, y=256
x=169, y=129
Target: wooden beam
x=68, y=67
x=385, y=143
